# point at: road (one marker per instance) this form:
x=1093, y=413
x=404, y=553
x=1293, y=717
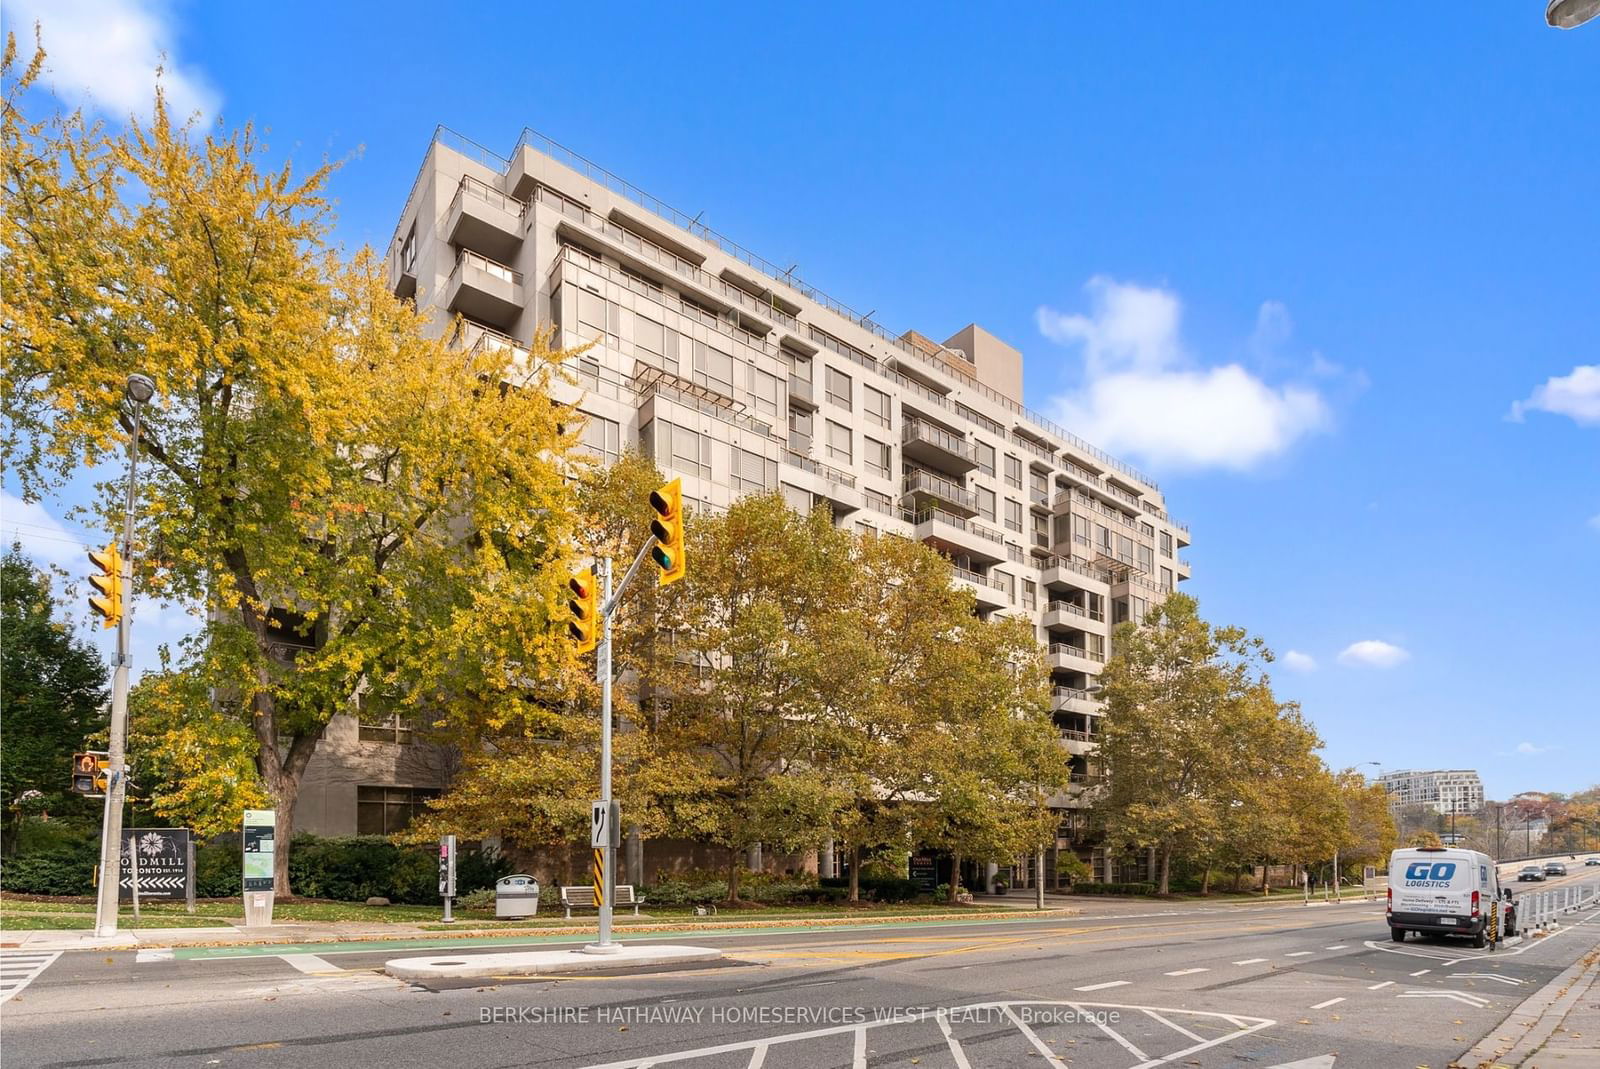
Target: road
x=1118, y=987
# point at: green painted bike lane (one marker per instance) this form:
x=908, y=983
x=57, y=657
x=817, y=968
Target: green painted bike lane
x=449, y=943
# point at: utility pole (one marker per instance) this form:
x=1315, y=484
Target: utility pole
x=139, y=390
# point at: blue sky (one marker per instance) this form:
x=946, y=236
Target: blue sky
x=1343, y=261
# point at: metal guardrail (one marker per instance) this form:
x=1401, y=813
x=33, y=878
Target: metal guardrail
x=1540, y=911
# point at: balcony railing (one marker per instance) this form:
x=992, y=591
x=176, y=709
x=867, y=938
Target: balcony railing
x=1071, y=693
x=925, y=482
x=1067, y=649
x=1079, y=736
x=1085, y=570
x=494, y=268
x=988, y=534
x=916, y=430
x=472, y=187
x=827, y=471
x=974, y=577
x=1067, y=606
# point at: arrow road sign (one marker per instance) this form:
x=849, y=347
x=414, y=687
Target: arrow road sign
x=604, y=823
x=1486, y=976
x=1475, y=1001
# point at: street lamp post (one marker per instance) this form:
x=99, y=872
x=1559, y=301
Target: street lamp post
x=140, y=390
x=1567, y=14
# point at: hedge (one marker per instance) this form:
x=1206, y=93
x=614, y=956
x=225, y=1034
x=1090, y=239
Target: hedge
x=66, y=871
x=879, y=888
x=1113, y=888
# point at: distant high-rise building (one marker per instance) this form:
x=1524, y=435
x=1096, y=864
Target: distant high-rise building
x=1442, y=790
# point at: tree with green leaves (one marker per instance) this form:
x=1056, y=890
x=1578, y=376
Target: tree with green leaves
x=52, y=693
x=1169, y=690
x=356, y=506
x=744, y=653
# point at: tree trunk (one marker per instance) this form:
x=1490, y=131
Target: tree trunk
x=733, y=872
x=1266, y=880
x=955, y=876
x=855, y=872
x=1205, y=880
x=1166, y=871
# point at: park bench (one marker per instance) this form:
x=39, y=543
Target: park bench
x=581, y=896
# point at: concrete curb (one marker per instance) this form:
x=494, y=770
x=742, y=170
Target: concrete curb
x=543, y=962
x=1536, y=1019
x=136, y=938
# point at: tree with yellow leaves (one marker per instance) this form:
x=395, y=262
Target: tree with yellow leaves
x=354, y=505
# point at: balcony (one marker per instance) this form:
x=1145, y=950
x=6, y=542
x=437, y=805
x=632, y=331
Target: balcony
x=1070, y=614
x=1074, y=700
x=925, y=490
x=938, y=447
x=988, y=590
x=485, y=220
x=955, y=536
x=824, y=481
x=800, y=394
x=1063, y=571
x=485, y=290
x=403, y=266
x=1074, y=659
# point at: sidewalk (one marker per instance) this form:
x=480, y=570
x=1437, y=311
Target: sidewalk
x=304, y=932
x=1559, y=1025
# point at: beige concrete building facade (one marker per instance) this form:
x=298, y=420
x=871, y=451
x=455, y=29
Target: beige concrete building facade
x=740, y=377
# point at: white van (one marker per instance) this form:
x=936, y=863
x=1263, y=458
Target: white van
x=1445, y=891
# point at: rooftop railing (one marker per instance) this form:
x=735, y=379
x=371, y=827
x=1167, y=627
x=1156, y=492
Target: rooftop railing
x=783, y=276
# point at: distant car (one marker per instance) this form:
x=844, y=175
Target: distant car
x=1593, y=861
x=1530, y=872
x=1554, y=868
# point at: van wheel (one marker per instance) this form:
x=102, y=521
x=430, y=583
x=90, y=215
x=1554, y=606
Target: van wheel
x=1479, y=941
x=1397, y=934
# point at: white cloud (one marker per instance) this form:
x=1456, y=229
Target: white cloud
x=43, y=537
x=1576, y=395
x=1373, y=653
x=1144, y=395
x=106, y=53
x=1299, y=662
x=1530, y=749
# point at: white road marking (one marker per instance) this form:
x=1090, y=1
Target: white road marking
x=1325, y=1005
x=1380, y=987
x=757, y=1058
x=1475, y=1001
x=1486, y=976
x=1422, y=972
x=1102, y=987
x=152, y=954
x=1186, y=972
x=1039, y=1044
x=956, y=1052
x=1176, y=1027
x=17, y=971
x=1108, y=1030
x=1299, y=953
x=309, y=963
x=1338, y=946
x=1250, y=961
x=859, y=1059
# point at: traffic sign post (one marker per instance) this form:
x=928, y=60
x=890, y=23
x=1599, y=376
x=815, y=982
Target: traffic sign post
x=156, y=864
x=260, y=855
x=447, y=874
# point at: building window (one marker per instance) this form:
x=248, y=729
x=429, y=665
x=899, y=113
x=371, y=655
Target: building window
x=1038, y=486
x=1102, y=539
x=985, y=457
x=1147, y=559
x=1013, y=515
x=879, y=502
x=1030, y=594
x=1013, y=472
x=387, y=810
x=713, y=369
x=1166, y=544
x=678, y=448
x=880, y=458
x=767, y=391
x=1041, y=531
x=1166, y=580
x=408, y=252
x=839, y=442
x=1080, y=530
x=876, y=406
x=838, y=387
x=649, y=336
x=602, y=439
x=1124, y=549
x=392, y=728
x=986, y=504
x=752, y=472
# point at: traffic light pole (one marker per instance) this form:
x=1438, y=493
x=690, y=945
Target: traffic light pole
x=105, y=913
x=609, y=601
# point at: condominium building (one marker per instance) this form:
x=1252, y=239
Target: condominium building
x=738, y=376
x=1443, y=790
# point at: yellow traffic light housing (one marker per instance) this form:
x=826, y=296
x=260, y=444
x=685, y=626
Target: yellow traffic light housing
x=584, y=627
x=667, y=526
x=91, y=773
x=108, y=603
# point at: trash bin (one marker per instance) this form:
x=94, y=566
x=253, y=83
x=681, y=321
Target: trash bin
x=516, y=896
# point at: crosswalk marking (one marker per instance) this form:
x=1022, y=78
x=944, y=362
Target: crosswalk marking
x=1380, y=987
x=1102, y=987
x=17, y=971
x=308, y=963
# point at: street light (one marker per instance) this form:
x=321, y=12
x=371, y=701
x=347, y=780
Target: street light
x=1567, y=14
x=140, y=389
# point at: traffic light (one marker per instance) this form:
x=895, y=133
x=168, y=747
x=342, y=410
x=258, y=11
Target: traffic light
x=108, y=603
x=91, y=772
x=584, y=627
x=667, y=526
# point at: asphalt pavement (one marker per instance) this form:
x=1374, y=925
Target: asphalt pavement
x=1125, y=984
